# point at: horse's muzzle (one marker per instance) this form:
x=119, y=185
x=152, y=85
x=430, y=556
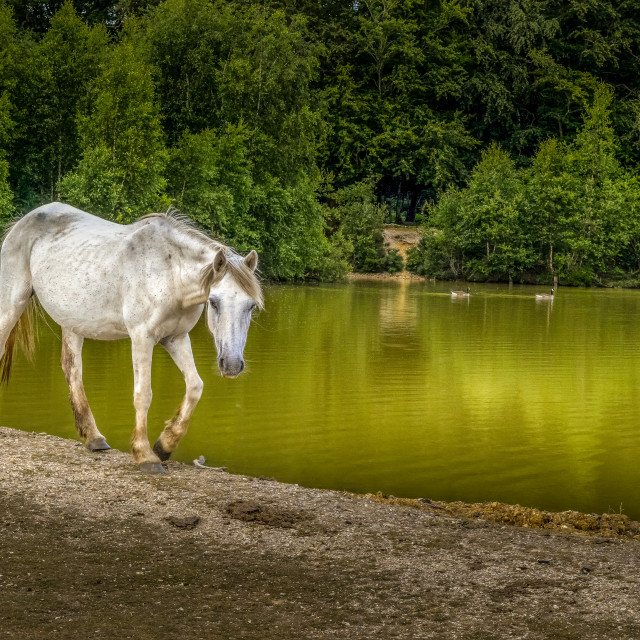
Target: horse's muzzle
x=230, y=367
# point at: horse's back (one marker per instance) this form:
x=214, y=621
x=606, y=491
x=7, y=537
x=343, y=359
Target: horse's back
x=99, y=279
x=77, y=266
x=60, y=220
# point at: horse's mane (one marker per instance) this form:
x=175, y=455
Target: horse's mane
x=235, y=265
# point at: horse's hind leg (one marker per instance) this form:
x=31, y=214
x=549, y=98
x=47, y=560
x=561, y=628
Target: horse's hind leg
x=15, y=291
x=180, y=350
x=72, y=366
x=13, y=302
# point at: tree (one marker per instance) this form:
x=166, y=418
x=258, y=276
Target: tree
x=66, y=60
x=121, y=173
x=358, y=220
x=222, y=64
x=233, y=84
x=574, y=212
x=36, y=15
x=7, y=85
x=393, y=99
x=210, y=181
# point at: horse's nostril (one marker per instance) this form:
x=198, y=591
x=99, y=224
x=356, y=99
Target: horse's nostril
x=221, y=363
x=242, y=366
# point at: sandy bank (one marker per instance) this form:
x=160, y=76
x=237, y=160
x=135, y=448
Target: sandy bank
x=90, y=548
x=402, y=239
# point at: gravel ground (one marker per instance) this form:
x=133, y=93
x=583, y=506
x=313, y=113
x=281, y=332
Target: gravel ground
x=91, y=548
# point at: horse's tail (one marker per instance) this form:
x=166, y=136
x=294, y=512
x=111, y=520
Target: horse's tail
x=23, y=334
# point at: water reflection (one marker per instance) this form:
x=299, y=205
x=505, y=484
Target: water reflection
x=396, y=386
x=399, y=309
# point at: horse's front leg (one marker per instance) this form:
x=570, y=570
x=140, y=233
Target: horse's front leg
x=142, y=353
x=179, y=348
x=71, y=361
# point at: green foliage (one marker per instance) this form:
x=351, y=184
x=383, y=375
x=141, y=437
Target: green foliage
x=358, y=219
x=52, y=77
x=574, y=213
x=436, y=256
x=121, y=173
x=7, y=208
x=291, y=230
x=233, y=85
x=220, y=63
x=236, y=111
x=7, y=31
x=210, y=181
x=391, y=94
x=484, y=225
x=392, y=261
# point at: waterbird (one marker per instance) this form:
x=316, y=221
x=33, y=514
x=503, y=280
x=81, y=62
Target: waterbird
x=544, y=296
x=461, y=294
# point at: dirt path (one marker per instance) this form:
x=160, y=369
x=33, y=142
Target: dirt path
x=90, y=548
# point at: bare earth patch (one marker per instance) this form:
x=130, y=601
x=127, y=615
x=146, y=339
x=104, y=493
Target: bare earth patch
x=400, y=238
x=91, y=548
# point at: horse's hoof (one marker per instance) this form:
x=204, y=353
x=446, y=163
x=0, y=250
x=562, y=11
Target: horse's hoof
x=159, y=450
x=152, y=467
x=98, y=444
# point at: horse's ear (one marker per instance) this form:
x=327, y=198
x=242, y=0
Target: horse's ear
x=219, y=262
x=251, y=261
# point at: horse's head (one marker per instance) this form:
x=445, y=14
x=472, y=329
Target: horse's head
x=234, y=295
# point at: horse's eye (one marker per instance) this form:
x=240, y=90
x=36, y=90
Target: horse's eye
x=214, y=304
x=252, y=307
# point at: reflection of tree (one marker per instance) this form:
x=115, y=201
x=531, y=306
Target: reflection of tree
x=398, y=308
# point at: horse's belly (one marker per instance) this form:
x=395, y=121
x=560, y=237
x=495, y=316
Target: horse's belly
x=80, y=288
x=88, y=312
x=85, y=321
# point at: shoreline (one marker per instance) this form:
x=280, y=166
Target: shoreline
x=90, y=546
x=403, y=275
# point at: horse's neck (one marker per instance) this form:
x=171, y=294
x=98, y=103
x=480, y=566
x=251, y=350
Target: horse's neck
x=195, y=256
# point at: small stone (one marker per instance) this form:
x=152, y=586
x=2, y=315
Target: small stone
x=186, y=522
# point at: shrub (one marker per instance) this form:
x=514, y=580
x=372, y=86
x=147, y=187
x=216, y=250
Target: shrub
x=392, y=261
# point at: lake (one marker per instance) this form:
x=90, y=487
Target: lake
x=394, y=386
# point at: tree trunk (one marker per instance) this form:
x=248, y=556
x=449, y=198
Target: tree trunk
x=411, y=215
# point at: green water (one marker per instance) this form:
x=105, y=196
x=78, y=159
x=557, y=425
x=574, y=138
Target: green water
x=394, y=386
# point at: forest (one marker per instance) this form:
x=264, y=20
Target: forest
x=508, y=129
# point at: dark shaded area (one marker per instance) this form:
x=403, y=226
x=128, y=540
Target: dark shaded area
x=73, y=576
x=76, y=576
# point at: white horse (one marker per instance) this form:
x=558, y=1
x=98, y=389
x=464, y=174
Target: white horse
x=148, y=281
